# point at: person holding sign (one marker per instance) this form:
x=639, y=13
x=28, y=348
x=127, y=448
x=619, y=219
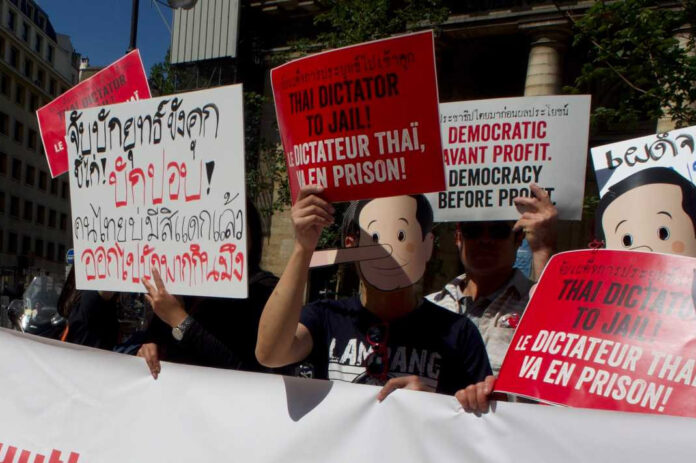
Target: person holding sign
x=385, y=335
x=492, y=293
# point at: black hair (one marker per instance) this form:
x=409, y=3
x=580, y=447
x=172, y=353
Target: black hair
x=254, y=238
x=351, y=226
x=650, y=176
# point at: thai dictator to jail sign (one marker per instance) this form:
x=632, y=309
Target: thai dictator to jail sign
x=614, y=330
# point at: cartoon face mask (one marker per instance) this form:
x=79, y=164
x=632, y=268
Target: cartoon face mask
x=393, y=221
x=650, y=218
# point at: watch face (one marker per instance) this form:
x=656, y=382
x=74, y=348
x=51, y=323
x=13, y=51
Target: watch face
x=177, y=333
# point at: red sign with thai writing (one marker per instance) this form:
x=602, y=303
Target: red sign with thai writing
x=613, y=330
x=124, y=80
x=363, y=120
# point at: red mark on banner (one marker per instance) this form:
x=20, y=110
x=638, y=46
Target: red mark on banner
x=613, y=330
x=124, y=80
x=25, y=456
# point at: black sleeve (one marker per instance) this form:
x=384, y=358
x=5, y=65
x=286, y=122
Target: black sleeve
x=207, y=350
x=471, y=363
x=312, y=317
x=93, y=322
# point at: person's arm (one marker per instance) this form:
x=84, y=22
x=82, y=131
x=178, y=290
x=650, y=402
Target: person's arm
x=282, y=339
x=539, y=220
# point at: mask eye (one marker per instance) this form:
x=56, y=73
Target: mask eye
x=663, y=233
x=375, y=237
x=627, y=240
x=401, y=235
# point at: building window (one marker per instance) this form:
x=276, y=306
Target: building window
x=38, y=43
x=64, y=190
x=28, y=68
x=2, y=202
x=5, y=84
x=40, y=214
x=14, y=57
x=25, y=31
x=49, y=54
x=3, y=163
x=52, y=218
x=51, y=251
x=16, y=169
x=18, y=131
x=52, y=87
x=43, y=180
x=61, y=251
x=54, y=187
x=40, y=78
x=26, y=245
x=28, y=210
x=12, y=20
x=4, y=123
x=38, y=247
x=33, y=102
x=29, y=175
x=1, y=240
x=19, y=94
x=31, y=139
x=12, y=242
x=2, y=48
x=14, y=206
x=63, y=221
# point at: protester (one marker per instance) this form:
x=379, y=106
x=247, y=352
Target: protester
x=92, y=315
x=387, y=334
x=492, y=293
x=208, y=331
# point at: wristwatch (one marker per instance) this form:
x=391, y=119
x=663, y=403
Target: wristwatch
x=179, y=330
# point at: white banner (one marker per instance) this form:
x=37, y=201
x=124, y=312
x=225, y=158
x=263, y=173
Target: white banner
x=493, y=150
x=85, y=405
x=160, y=183
x=615, y=162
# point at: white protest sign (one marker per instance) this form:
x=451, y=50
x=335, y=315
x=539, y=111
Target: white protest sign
x=493, y=150
x=159, y=183
x=57, y=404
x=616, y=161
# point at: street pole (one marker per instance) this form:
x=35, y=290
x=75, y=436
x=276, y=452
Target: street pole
x=134, y=25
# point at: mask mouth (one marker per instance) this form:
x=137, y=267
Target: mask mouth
x=388, y=269
x=641, y=248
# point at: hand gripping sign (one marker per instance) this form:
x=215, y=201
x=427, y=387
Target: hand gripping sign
x=124, y=80
x=362, y=121
x=612, y=330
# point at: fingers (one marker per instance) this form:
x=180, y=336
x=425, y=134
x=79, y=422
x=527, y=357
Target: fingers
x=475, y=398
x=308, y=190
x=158, y=280
x=402, y=382
x=149, y=353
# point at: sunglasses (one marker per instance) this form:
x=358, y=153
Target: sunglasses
x=377, y=362
x=495, y=230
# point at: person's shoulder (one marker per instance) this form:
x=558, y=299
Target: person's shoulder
x=346, y=305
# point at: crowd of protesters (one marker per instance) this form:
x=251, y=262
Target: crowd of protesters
x=388, y=334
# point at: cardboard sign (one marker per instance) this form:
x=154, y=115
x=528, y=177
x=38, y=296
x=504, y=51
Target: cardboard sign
x=613, y=330
x=124, y=80
x=675, y=149
x=160, y=183
x=69, y=404
x=494, y=149
x=363, y=120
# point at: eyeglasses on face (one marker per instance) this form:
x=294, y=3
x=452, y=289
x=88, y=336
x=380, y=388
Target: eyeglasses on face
x=494, y=230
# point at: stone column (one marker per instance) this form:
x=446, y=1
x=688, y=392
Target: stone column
x=544, y=73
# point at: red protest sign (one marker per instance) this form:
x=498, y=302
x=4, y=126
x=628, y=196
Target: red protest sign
x=363, y=120
x=613, y=330
x=124, y=80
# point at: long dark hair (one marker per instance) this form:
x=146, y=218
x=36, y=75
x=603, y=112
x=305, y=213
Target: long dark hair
x=69, y=296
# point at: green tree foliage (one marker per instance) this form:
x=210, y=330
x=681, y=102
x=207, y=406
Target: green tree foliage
x=635, y=55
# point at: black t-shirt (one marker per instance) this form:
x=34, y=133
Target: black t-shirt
x=443, y=348
x=223, y=333
x=93, y=321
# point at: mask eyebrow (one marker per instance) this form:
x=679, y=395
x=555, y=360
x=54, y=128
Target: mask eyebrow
x=370, y=224
x=665, y=213
x=401, y=218
x=618, y=225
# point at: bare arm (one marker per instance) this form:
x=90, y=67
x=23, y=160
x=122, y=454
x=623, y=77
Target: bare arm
x=539, y=219
x=282, y=339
